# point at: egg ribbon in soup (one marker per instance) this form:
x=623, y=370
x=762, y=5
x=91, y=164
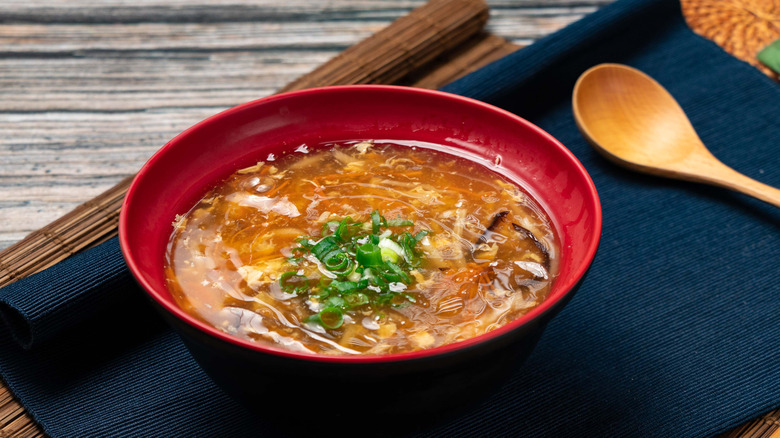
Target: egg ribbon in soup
x=362, y=248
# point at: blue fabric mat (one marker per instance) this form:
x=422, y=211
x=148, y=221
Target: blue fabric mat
x=676, y=331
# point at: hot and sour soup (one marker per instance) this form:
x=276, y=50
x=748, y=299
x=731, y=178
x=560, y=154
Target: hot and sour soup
x=362, y=248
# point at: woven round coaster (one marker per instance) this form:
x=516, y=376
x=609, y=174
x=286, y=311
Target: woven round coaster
x=741, y=27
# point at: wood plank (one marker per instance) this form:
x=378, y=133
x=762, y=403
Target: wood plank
x=79, y=113
x=384, y=57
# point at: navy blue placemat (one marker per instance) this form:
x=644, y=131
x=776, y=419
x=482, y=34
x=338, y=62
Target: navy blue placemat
x=676, y=331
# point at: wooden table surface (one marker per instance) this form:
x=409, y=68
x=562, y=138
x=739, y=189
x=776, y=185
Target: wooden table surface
x=89, y=89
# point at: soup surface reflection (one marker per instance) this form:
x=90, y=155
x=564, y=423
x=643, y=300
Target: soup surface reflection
x=362, y=248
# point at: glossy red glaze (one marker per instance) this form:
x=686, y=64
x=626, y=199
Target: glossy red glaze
x=184, y=169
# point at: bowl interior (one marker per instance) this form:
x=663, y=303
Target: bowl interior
x=185, y=168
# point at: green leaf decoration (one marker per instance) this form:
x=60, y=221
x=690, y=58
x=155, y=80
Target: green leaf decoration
x=770, y=56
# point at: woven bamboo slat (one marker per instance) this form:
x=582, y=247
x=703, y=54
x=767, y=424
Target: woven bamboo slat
x=471, y=55
x=411, y=42
x=766, y=426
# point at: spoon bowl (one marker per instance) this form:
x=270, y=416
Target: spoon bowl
x=632, y=120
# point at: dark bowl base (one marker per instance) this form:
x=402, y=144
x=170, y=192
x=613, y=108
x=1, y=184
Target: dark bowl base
x=387, y=399
x=294, y=397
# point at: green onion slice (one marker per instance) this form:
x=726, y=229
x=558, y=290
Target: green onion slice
x=421, y=235
x=338, y=262
x=343, y=286
x=324, y=246
x=399, y=272
x=377, y=220
x=342, y=232
x=293, y=283
x=328, y=227
x=330, y=317
x=362, y=275
x=368, y=254
x=336, y=302
x=399, y=223
x=356, y=299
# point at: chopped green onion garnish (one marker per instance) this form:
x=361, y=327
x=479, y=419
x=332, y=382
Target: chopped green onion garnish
x=369, y=254
x=356, y=299
x=399, y=272
x=329, y=227
x=338, y=262
x=399, y=223
x=388, y=255
x=336, y=302
x=342, y=232
x=324, y=246
x=305, y=242
x=376, y=221
x=421, y=235
x=343, y=286
x=362, y=268
x=354, y=276
x=329, y=317
x=293, y=283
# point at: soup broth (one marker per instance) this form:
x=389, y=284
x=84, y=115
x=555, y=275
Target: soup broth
x=362, y=248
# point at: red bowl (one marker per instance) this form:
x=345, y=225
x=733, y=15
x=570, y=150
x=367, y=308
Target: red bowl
x=182, y=171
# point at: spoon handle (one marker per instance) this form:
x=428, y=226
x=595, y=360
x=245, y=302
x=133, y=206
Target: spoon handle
x=724, y=176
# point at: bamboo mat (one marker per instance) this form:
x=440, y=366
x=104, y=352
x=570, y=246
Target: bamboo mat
x=430, y=47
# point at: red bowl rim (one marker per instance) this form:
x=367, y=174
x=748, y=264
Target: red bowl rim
x=546, y=306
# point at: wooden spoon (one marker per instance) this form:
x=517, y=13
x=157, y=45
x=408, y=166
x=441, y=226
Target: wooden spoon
x=632, y=120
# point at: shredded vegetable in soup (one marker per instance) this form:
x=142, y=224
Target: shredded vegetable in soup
x=362, y=248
